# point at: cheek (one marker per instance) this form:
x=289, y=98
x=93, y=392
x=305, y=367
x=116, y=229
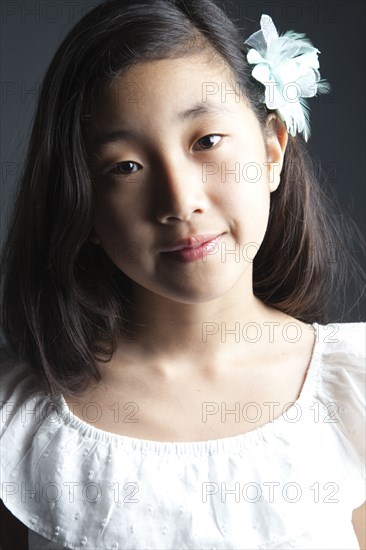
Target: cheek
x=124, y=235
x=253, y=213
x=246, y=206
x=246, y=202
x=115, y=224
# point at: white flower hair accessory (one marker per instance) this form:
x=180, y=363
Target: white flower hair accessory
x=288, y=68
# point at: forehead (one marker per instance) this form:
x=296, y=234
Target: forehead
x=168, y=83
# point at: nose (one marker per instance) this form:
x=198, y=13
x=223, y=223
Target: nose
x=180, y=192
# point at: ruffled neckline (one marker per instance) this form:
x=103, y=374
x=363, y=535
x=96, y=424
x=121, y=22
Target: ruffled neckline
x=72, y=483
x=211, y=446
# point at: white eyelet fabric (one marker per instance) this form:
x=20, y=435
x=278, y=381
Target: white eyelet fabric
x=291, y=483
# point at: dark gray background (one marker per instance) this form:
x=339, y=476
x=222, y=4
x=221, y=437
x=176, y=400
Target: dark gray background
x=32, y=30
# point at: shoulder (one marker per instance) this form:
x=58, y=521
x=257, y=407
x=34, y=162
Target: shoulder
x=27, y=418
x=342, y=353
x=341, y=384
x=341, y=350
x=343, y=338
x=18, y=382
x=20, y=394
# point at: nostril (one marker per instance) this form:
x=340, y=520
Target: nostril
x=178, y=212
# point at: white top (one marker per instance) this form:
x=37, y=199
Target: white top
x=291, y=483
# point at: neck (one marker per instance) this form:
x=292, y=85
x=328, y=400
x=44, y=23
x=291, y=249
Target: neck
x=170, y=331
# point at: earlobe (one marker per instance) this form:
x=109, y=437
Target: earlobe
x=276, y=142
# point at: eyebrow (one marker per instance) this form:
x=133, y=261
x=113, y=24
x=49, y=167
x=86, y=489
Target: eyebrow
x=196, y=111
x=200, y=109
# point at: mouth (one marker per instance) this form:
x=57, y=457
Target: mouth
x=193, y=248
x=191, y=242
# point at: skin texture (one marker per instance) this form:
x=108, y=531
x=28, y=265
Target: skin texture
x=168, y=195
x=359, y=525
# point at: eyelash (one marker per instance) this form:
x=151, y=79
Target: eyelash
x=115, y=170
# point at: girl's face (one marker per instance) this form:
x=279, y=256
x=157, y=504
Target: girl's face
x=175, y=153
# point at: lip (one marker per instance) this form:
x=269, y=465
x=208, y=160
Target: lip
x=193, y=248
x=190, y=242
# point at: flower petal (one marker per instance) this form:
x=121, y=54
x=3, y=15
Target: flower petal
x=255, y=57
x=257, y=41
x=262, y=73
x=269, y=30
x=287, y=66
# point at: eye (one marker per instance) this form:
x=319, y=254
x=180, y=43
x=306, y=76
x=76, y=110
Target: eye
x=209, y=141
x=124, y=168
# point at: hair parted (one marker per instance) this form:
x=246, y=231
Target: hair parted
x=63, y=300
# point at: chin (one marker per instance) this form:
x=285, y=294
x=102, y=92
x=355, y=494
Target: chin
x=196, y=295
x=194, y=299
x=194, y=288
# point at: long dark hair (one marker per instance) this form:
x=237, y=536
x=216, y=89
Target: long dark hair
x=64, y=301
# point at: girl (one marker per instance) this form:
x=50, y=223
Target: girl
x=168, y=381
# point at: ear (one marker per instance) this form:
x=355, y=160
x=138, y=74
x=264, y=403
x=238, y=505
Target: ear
x=276, y=141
